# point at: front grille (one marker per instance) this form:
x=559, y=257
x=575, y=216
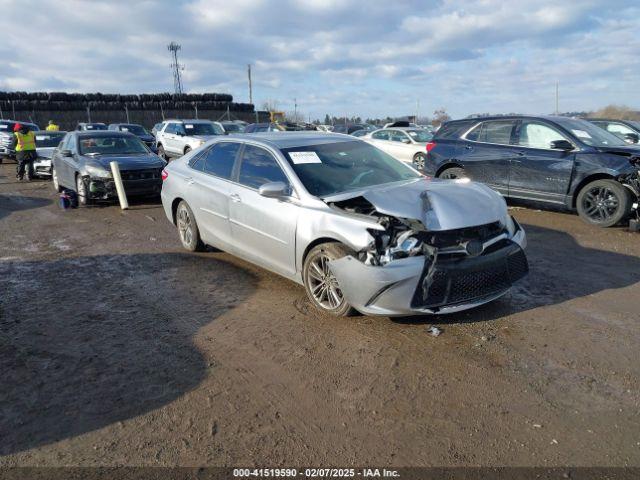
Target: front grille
x=461, y=280
x=452, y=238
x=147, y=174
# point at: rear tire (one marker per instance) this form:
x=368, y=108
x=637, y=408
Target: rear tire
x=603, y=203
x=419, y=161
x=188, y=228
x=161, y=153
x=320, y=284
x=452, y=173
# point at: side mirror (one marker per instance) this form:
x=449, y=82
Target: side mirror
x=562, y=145
x=274, y=190
x=66, y=153
x=632, y=137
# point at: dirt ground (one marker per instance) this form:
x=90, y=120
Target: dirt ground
x=119, y=348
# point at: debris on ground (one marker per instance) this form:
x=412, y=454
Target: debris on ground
x=434, y=331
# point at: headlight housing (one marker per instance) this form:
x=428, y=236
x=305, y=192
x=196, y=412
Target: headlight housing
x=98, y=172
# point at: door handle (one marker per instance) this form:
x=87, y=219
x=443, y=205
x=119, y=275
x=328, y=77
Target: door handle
x=520, y=154
x=235, y=198
x=468, y=147
x=189, y=180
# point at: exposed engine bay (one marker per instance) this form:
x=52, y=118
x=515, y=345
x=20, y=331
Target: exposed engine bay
x=632, y=182
x=402, y=238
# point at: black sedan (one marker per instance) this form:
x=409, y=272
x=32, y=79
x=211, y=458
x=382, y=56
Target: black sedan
x=557, y=160
x=82, y=163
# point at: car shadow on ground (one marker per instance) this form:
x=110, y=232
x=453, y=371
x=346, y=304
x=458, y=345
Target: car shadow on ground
x=14, y=203
x=89, y=341
x=560, y=269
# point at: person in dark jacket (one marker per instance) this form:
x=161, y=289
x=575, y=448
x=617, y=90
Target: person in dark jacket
x=24, y=144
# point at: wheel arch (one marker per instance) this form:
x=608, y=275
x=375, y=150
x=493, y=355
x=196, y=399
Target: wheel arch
x=174, y=208
x=585, y=181
x=315, y=243
x=449, y=164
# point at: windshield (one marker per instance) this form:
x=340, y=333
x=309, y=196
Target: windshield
x=591, y=134
x=332, y=168
x=49, y=139
x=420, y=136
x=233, y=127
x=203, y=129
x=138, y=130
x=116, y=145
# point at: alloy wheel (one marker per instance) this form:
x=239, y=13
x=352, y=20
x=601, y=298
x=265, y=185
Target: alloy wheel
x=323, y=285
x=419, y=161
x=600, y=203
x=185, y=226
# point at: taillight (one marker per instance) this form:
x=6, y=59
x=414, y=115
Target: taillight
x=430, y=146
x=164, y=174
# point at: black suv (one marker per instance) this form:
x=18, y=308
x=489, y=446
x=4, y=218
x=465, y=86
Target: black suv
x=558, y=160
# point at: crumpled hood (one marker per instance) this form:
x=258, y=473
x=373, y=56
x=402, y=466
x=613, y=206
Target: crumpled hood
x=127, y=162
x=437, y=204
x=625, y=150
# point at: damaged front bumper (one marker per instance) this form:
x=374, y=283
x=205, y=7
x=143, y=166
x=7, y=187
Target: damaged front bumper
x=105, y=188
x=445, y=283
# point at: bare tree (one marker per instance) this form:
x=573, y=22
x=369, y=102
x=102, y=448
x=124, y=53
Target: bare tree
x=618, y=112
x=439, y=117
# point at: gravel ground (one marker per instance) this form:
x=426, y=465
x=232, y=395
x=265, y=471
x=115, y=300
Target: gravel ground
x=119, y=348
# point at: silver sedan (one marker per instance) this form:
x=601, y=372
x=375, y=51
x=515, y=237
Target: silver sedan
x=359, y=229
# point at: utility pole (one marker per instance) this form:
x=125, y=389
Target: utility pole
x=295, y=110
x=417, y=109
x=557, y=95
x=162, y=111
x=250, y=86
x=195, y=105
x=173, y=47
x=88, y=113
x=13, y=109
x=126, y=109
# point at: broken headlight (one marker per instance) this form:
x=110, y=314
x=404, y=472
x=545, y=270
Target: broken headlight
x=511, y=226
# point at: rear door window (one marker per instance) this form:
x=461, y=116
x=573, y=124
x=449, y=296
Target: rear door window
x=259, y=167
x=381, y=135
x=220, y=159
x=496, y=131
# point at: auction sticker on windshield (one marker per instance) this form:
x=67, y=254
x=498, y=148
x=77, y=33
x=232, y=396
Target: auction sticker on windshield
x=304, y=157
x=581, y=134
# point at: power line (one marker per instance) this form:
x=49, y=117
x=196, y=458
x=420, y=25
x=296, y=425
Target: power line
x=173, y=47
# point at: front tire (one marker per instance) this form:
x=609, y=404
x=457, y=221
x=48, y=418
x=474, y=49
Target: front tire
x=319, y=282
x=187, y=228
x=82, y=191
x=603, y=203
x=452, y=173
x=54, y=179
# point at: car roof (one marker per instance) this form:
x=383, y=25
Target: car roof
x=102, y=133
x=295, y=139
x=552, y=118
x=607, y=120
x=186, y=120
x=49, y=132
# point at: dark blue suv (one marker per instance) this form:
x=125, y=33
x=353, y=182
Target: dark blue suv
x=559, y=160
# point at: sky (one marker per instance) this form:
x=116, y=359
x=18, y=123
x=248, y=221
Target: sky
x=372, y=58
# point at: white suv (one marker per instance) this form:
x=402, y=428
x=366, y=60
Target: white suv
x=178, y=137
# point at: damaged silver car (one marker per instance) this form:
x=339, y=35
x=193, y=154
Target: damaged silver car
x=359, y=229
